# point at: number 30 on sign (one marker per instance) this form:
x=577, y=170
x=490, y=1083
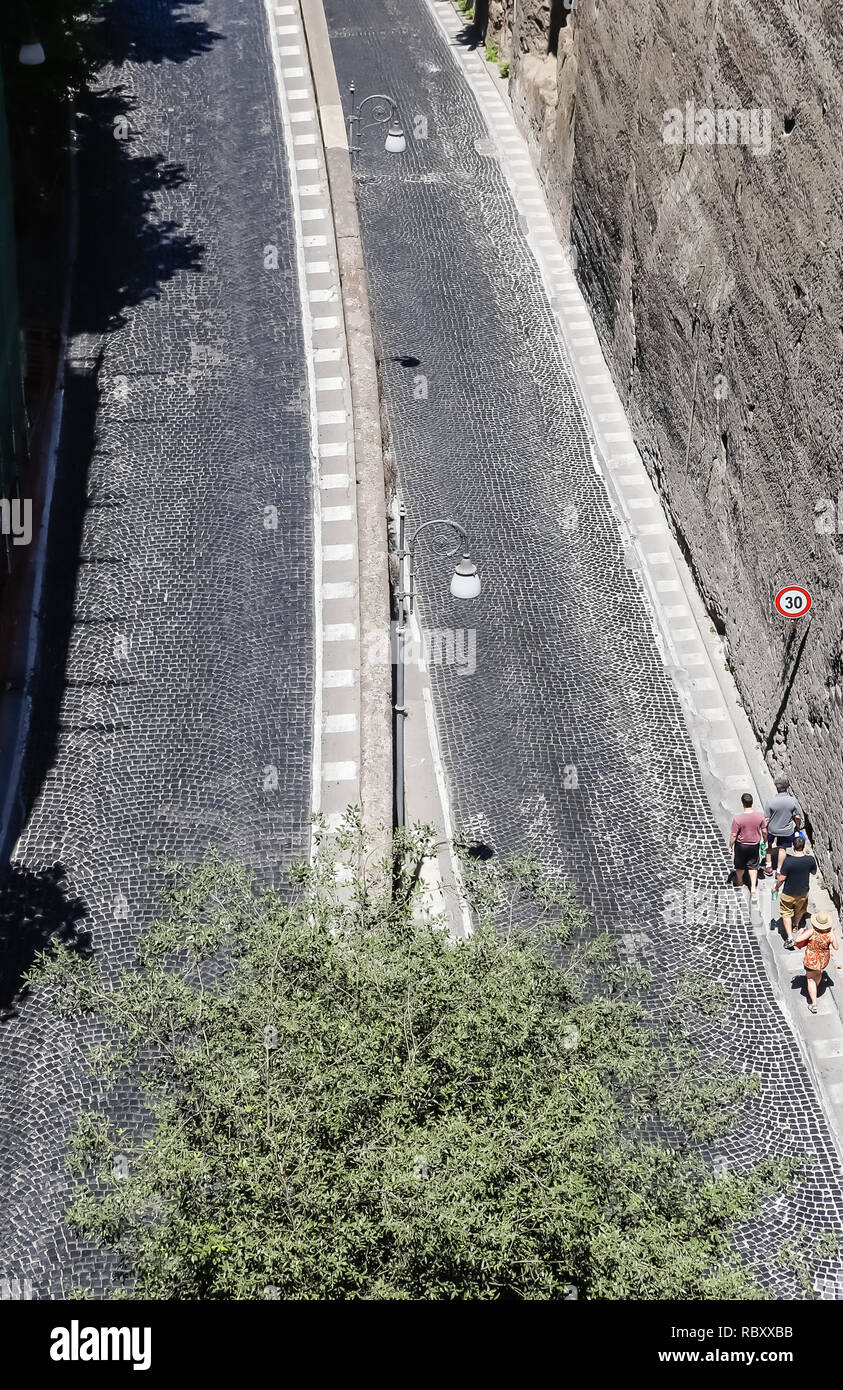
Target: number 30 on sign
x=793, y=602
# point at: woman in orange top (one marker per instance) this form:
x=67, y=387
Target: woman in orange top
x=818, y=941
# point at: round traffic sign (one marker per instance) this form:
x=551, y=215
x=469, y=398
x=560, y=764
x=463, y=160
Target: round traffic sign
x=793, y=602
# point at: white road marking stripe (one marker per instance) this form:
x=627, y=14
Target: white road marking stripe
x=332, y=514
x=338, y=680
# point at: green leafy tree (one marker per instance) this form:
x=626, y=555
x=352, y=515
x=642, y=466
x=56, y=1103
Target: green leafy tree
x=347, y=1102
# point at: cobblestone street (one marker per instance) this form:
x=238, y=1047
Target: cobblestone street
x=569, y=739
x=177, y=713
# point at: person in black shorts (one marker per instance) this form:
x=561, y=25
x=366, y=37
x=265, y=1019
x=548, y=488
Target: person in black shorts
x=795, y=874
x=745, y=838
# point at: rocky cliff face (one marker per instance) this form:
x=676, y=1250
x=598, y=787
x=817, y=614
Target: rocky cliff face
x=692, y=155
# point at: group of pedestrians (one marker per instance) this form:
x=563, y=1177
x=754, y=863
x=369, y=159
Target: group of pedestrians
x=777, y=831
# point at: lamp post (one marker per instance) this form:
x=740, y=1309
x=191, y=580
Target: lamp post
x=395, y=141
x=465, y=584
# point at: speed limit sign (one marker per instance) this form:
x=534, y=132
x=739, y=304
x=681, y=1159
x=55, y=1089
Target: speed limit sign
x=793, y=602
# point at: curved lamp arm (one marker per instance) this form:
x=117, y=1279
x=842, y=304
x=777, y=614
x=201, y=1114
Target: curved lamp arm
x=392, y=113
x=410, y=551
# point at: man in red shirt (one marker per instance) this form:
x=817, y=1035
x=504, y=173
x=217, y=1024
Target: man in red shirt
x=747, y=829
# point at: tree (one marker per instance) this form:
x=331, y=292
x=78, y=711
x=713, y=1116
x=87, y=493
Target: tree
x=346, y=1102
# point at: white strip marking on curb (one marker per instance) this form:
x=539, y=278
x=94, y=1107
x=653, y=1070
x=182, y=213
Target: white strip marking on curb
x=339, y=772
x=340, y=632
x=339, y=723
x=290, y=141
x=337, y=680
x=331, y=481
x=331, y=514
x=336, y=554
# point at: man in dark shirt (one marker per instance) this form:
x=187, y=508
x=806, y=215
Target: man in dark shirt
x=795, y=874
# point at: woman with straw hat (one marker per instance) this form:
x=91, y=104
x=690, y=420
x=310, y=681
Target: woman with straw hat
x=818, y=940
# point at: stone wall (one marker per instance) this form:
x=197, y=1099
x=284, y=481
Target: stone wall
x=714, y=271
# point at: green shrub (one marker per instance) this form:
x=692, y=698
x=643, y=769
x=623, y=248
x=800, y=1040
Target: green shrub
x=346, y=1102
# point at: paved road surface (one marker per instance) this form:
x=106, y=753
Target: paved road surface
x=569, y=738
x=179, y=707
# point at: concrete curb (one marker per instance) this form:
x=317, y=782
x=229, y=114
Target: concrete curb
x=376, y=791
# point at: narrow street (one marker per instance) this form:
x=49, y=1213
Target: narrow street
x=177, y=712
x=569, y=738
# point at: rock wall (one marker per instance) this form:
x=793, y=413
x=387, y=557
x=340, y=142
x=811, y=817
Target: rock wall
x=691, y=152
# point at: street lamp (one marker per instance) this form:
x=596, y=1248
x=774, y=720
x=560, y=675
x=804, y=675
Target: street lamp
x=395, y=141
x=465, y=584
x=32, y=54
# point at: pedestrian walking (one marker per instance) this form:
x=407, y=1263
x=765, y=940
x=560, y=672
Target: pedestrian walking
x=784, y=818
x=748, y=827
x=818, y=939
x=793, y=879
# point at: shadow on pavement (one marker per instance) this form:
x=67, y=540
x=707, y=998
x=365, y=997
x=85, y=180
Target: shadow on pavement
x=125, y=254
x=35, y=908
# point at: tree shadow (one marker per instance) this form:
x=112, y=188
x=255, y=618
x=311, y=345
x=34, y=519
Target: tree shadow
x=471, y=37
x=35, y=908
x=173, y=39
x=125, y=252
x=125, y=256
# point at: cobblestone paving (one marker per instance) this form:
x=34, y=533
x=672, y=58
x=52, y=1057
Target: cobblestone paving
x=182, y=716
x=569, y=737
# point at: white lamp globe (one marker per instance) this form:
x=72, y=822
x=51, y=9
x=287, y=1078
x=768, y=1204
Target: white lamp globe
x=466, y=581
x=31, y=54
x=395, y=142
